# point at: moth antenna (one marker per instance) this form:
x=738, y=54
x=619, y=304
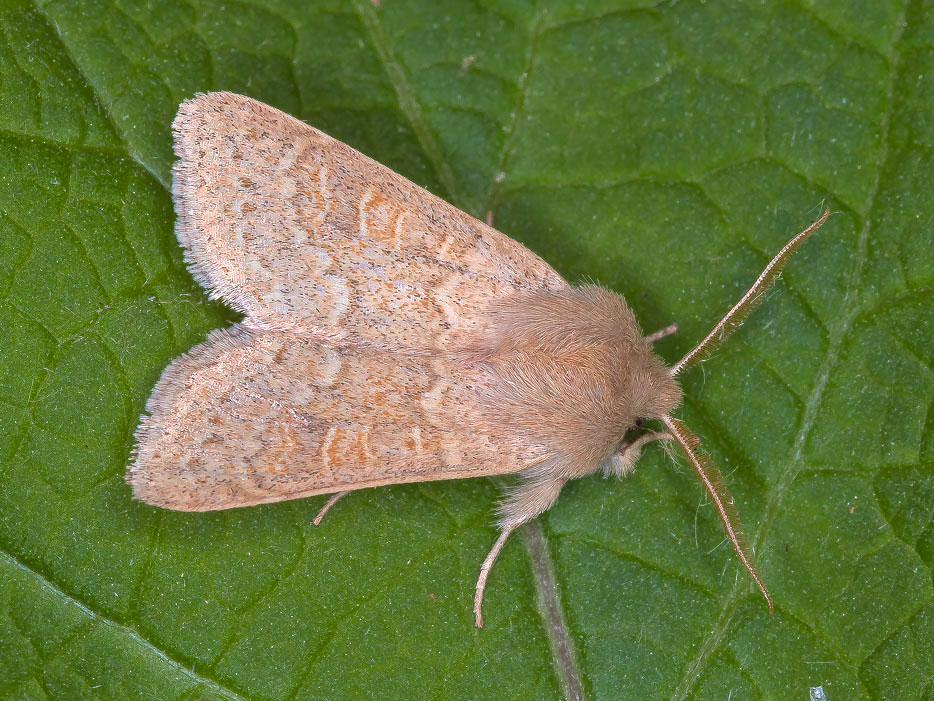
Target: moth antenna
x=712, y=480
x=754, y=295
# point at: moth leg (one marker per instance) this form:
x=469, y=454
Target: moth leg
x=327, y=506
x=623, y=461
x=661, y=333
x=530, y=499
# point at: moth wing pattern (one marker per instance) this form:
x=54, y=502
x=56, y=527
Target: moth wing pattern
x=301, y=232
x=360, y=291
x=249, y=417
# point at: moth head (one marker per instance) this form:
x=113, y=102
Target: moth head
x=662, y=394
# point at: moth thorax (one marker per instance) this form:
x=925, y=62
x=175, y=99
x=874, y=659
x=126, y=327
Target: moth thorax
x=570, y=368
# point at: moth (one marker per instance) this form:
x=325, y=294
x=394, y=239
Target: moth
x=389, y=337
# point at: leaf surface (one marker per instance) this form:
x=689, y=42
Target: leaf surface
x=666, y=150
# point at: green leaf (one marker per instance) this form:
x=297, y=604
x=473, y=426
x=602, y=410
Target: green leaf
x=666, y=150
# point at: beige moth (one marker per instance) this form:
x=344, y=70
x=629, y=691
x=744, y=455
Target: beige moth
x=389, y=337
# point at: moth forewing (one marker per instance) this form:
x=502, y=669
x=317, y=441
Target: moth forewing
x=252, y=417
x=388, y=337
x=304, y=234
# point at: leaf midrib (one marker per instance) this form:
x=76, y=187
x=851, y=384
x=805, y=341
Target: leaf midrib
x=565, y=660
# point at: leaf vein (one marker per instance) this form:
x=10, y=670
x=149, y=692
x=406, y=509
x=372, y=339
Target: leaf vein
x=130, y=633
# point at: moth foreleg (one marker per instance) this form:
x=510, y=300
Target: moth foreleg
x=623, y=461
x=661, y=333
x=531, y=498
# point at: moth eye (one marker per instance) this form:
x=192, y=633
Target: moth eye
x=632, y=430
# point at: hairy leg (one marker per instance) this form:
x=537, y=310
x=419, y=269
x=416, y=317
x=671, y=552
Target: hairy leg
x=661, y=333
x=327, y=506
x=529, y=500
x=623, y=461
